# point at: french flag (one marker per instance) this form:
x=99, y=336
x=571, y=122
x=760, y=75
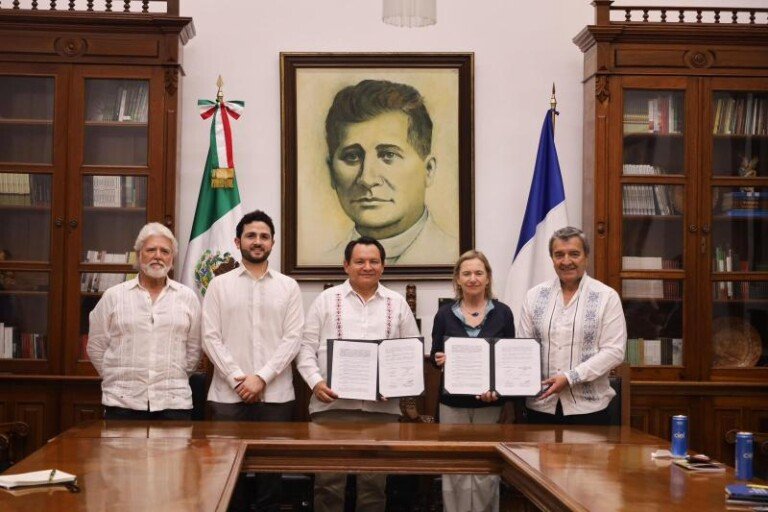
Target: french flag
x=544, y=214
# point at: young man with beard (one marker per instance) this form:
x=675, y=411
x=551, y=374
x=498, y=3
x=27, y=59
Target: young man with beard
x=144, y=337
x=252, y=323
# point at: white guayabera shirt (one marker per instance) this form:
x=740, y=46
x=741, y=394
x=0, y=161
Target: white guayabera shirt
x=583, y=340
x=252, y=327
x=145, y=351
x=339, y=312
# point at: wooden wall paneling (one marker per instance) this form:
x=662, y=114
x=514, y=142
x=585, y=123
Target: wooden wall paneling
x=640, y=418
x=80, y=401
x=36, y=404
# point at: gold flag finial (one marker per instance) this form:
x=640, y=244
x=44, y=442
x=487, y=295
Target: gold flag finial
x=553, y=107
x=219, y=93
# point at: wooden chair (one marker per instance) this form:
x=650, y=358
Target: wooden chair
x=620, y=378
x=12, y=439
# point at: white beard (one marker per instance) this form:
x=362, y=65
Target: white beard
x=155, y=273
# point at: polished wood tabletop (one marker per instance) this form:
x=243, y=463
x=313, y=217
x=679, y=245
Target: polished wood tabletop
x=131, y=475
x=194, y=465
x=368, y=434
x=609, y=477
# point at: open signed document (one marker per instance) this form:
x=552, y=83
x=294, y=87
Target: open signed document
x=367, y=369
x=508, y=366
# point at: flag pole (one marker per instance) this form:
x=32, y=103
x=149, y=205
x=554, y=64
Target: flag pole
x=219, y=93
x=553, y=107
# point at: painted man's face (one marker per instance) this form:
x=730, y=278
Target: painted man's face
x=379, y=177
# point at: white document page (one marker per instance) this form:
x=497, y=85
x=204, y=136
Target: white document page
x=517, y=367
x=353, y=374
x=401, y=367
x=467, y=366
x=44, y=477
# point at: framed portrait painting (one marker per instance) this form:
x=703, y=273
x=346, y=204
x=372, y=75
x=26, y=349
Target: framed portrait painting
x=379, y=145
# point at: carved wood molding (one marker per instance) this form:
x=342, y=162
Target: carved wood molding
x=171, y=79
x=699, y=59
x=698, y=388
x=70, y=46
x=601, y=88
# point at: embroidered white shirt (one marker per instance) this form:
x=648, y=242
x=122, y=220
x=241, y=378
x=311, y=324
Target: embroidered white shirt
x=145, y=351
x=339, y=312
x=252, y=327
x=583, y=340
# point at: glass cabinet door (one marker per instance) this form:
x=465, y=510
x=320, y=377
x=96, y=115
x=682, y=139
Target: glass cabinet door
x=652, y=177
x=26, y=119
x=116, y=128
x=116, y=157
x=110, y=201
x=28, y=165
x=739, y=229
x=24, y=315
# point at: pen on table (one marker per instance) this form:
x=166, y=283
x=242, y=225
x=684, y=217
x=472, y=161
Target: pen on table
x=757, y=486
x=53, y=473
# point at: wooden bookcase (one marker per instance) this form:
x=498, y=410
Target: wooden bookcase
x=676, y=203
x=88, y=147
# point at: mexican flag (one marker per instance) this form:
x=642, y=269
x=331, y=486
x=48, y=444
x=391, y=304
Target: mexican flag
x=211, y=242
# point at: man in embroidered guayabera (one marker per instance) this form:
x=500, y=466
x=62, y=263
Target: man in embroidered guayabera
x=583, y=334
x=144, y=336
x=252, y=322
x=359, y=308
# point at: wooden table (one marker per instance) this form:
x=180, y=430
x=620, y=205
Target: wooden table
x=194, y=465
x=620, y=477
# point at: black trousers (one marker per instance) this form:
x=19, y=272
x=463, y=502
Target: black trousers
x=121, y=413
x=267, y=485
x=593, y=418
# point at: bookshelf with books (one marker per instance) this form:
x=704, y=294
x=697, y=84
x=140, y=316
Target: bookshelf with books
x=88, y=149
x=676, y=206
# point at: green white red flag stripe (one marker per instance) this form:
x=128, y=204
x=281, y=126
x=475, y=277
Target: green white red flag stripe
x=218, y=209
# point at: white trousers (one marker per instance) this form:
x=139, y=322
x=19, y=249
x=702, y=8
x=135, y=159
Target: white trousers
x=470, y=493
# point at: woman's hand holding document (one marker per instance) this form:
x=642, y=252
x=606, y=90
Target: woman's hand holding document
x=507, y=366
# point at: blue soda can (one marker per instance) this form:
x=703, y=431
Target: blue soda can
x=679, y=435
x=744, y=453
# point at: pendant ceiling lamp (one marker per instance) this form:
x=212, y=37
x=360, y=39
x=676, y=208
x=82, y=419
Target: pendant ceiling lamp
x=410, y=13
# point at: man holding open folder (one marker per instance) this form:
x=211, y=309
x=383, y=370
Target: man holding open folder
x=360, y=308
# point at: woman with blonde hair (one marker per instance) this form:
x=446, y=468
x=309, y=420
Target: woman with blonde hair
x=474, y=314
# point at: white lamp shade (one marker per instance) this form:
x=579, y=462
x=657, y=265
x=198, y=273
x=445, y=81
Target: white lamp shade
x=410, y=13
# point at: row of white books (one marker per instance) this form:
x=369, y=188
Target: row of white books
x=640, y=169
x=654, y=352
x=14, y=183
x=25, y=189
x=15, y=344
x=647, y=200
x=102, y=281
x=642, y=262
x=115, y=191
x=642, y=288
x=662, y=115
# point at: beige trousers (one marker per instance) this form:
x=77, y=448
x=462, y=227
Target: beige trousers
x=470, y=493
x=371, y=487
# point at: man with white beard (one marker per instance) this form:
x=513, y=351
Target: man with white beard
x=144, y=337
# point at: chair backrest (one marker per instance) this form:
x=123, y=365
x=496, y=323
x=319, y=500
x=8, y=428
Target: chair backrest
x=12, y=437
x=618, y=409
x=198, y=383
